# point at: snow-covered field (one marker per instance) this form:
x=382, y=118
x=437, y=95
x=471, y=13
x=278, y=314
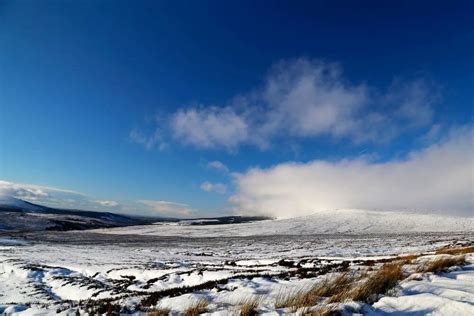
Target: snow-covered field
x=323, y=222
x=50, y=272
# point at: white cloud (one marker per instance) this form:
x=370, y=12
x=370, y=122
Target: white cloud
x=166, y=208
x=107, y=203
x=33, y=193
x=217, y=165
x=306, y=98
x=68, y=199
x=213, y=187
x=210, y=127
x=439, y=178
x=53, y=197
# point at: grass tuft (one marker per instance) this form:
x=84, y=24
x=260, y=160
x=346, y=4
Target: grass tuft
x=249, y=306
x=309, y=297
x=377, y=283
x=198, y=307
x=441, y=264
x=455, y=251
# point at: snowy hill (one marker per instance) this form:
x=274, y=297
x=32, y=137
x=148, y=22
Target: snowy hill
x=7, y=201
x=19, y=215
x=328, y=222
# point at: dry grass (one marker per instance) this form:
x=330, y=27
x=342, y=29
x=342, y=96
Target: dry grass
x=333, y=286
x=442, y=263
x=309, y=297
x=324, y=311
x=289, y=298
x=378, y=283
x=455, y=251
x=159, y=312
x=365, y=287
x=198, y=307
x=249, y=306
x=407, y=259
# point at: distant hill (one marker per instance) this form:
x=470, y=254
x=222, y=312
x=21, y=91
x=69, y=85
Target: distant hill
x=20, y=215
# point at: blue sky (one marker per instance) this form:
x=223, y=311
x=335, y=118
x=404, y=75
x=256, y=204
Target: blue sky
x=167, y=107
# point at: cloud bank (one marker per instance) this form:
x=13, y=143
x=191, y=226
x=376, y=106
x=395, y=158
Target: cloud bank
x=305, y=98
x=439, y=178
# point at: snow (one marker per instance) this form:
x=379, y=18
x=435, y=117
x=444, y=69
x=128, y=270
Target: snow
x=44, y=270
x=11, y=242
x=446, y=294
x=10, y=201
x=339, y=221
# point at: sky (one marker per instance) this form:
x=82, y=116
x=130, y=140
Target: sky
x=205, y=108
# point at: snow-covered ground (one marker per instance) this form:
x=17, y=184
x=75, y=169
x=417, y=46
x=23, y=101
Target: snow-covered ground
x=47, y=272
x=449, y=293
x=324, y=222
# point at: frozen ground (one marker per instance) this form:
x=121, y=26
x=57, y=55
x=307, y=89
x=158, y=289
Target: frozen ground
x=48, y=272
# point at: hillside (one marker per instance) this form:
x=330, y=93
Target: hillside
x=19, y=215
x=328, y=222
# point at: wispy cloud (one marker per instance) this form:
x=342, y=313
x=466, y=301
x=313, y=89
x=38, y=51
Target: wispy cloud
x=438, y=178
x=107, y=203
x=213, y=187
x=167, y=208
x=305, y=98
x=210, y=127
x=217, y=165
x=149, y=142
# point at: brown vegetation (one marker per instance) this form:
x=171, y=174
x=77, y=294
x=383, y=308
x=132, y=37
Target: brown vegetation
x=159, y=312
x=378, y=283
x=309, y=297
x=407, y=259
x=442, y=263
x=455, y=251
x=198, y=307
x=325, y=311
x=249, y=306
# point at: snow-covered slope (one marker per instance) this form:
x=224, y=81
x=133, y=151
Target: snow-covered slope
x=330, y=222
x=8, y=201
